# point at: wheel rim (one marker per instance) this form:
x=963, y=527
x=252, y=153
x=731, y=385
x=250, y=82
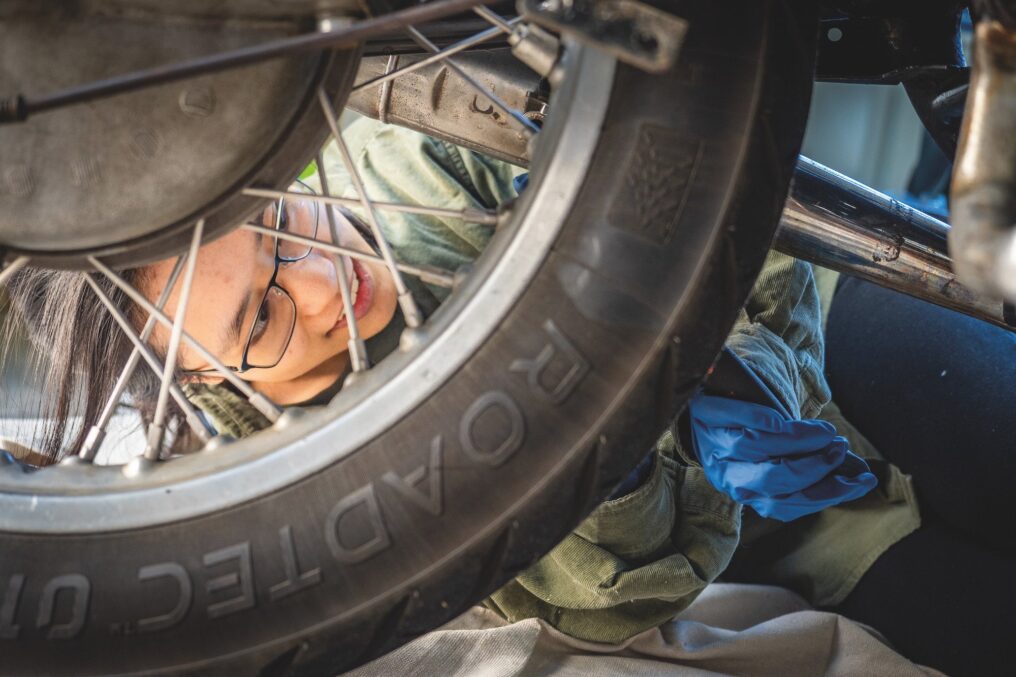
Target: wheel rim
x=74, y=499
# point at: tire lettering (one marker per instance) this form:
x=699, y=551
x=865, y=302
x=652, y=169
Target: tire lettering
x=295, y=580
x=409, y=486
x=511, y=438
x=536, y=369
x=81, y=589
x=185, y=595
x=8, y=629
x=241, y=579
x=368, y=515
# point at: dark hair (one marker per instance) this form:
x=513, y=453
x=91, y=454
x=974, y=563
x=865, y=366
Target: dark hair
x=79, y=353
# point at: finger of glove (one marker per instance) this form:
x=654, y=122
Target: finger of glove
x=781, y=476
x=834, y=490
x=743, y=444
x=723, y=412
x=797, y=438
x=843, y=489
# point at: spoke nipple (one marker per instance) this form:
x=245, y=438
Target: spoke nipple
x=411, y=339
x=352, y=378
x=330, y=24
x=156, y=434
x=218, y=442
x=265, y=406
x=413, y=316
x=535, y=47
x=358, y=355
x=92, y=443
x=504, y=214
x=290, y=417
x=204, y=432
x=13, y=110
x=481, y=216
x=138, y=466
x=462, y=274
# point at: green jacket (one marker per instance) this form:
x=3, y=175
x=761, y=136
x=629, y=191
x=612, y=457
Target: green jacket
x=640, y=559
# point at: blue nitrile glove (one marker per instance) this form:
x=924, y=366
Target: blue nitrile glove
x=520, y=182
x=781, y=467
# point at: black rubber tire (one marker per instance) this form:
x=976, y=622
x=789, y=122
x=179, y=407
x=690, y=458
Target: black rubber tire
x=685, y=192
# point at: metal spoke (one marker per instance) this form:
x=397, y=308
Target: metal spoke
x=258, y=400
x=482, y=216
x=428, y=274
x=157, y=429
x=358, y=357
x=528, y=126
x=18, y=108
x=385, y=95
x=495, y=18
x=193, y=419
x=471, y=41
x=98, y=431
x=14, y=266
x=409, y=308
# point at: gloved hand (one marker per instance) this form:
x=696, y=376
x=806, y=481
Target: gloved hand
x=783, y=468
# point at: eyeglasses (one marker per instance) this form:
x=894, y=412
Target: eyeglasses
x=271, y=330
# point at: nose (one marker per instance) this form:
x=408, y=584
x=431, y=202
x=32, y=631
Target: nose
x=312, y=282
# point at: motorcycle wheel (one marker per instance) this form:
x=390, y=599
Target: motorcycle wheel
x=459, y=461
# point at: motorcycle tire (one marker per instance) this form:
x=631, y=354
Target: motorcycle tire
x=623, y=315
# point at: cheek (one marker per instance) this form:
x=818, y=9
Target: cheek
x=305, y=353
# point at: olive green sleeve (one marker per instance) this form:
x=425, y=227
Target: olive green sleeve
x=634, y=563
x=401, y=166
x=779, y=334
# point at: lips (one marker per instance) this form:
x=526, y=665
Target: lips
x=361, y=287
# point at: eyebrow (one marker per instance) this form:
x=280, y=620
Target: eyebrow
x=233, y=332
x=236, y=326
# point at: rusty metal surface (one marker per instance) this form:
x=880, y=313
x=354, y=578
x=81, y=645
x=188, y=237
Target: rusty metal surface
x=436, y=101
x=838, y=223
x=983, y=240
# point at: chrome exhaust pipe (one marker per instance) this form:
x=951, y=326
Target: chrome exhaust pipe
x=835, y=222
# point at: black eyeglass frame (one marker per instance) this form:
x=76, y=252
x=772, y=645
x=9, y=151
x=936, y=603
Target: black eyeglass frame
x=245, y=364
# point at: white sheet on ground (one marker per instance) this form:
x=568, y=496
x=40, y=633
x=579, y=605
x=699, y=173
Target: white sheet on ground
x=729, y=630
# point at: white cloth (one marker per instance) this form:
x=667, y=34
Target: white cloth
x=729, y=630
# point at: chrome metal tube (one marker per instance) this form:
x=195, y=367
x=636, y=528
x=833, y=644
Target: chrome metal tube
x=838, y=223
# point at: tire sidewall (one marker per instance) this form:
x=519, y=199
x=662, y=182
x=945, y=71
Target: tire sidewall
x=618, y=326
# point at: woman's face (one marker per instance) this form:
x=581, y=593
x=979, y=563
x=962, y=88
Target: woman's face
x=230, y=279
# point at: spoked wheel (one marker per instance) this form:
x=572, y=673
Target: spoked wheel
x=497, y=425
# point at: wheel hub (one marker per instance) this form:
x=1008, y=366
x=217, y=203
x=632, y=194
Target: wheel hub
x=123, y=177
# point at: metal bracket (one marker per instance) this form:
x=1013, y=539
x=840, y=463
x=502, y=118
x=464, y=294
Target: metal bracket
x=637, y=34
